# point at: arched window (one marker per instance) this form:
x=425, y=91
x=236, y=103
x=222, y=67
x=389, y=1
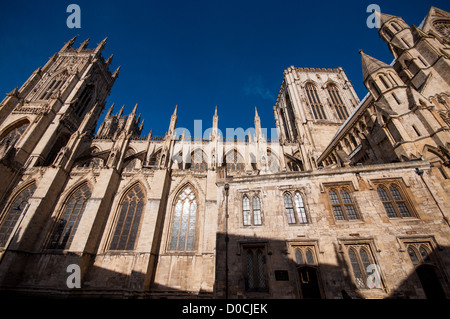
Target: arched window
x=251, y=214
x=300, y=206
x=246, y=211
x=289, y=208
x=284, y=123
x=342, y=204
x=298, y=257
x=130, y=165
x=235, y=161
x=376, y=89
x=309, y=257
x=256, y=211
x=129, y=219
x=388, y=33
x=84, y=99
x=184, y=221
x=413, y=255
x=55, y=84
x=336, y=101
x=383, y=80
x=154, y=159
x=13, y=212
x=360, y=260
x=314, y=101
x=393, y=201
x=291, y=117
x=198, y=160
x=14, y=134
x=67, y=224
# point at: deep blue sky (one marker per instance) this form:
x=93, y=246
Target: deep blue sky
x=199, y=54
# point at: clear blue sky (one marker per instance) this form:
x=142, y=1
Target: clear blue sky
x=199, y=54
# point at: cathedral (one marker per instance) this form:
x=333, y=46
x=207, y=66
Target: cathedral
x=351, y=200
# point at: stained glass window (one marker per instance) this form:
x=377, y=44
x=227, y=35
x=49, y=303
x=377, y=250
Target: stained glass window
x=129, y=219
x=184, y=221
x=13, y=213
x=67, y=223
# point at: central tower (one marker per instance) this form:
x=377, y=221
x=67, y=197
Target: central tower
x=311, y=106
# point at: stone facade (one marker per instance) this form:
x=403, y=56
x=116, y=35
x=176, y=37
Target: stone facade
x=350, y=200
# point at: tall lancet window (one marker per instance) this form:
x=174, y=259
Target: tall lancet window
x=291, y=117
x=314, y=101
x=336, y=102
x=17, y=207
x=184, y=221
x=129, y=220
x=68, y=222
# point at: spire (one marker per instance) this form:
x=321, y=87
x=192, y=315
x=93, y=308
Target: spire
x=134, y=110
x=108, y=114
x=173, y=121
x=101, y=45
x=257, y=124
x=370, y=65
x=69, y=44
x=109, y=60
x=121, y=111
x=175, y=111
x=142, y=125
x=83, y=45
x=384, y=17
x=116, y=73
x=215, y=111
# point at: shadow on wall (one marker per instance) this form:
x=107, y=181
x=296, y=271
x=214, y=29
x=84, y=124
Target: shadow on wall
x=279, y=274
x=258, y=268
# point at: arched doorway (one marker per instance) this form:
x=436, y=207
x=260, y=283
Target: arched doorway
x=430, y=282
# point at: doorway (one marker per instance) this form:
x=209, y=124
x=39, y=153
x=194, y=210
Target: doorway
x=309, y=282
x=430, y=282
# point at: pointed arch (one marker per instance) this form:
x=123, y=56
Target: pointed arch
x=336, y=101
x=13, y=132
x=184, y=220
x=234, y=160
x=128, y=218
x=155, y=157
x=67, y=222
x=314, y=101
x=53, y=84
x=18, y=205
x=198, y=160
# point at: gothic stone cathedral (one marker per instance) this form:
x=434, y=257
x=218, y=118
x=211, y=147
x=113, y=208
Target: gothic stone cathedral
x=352, y=199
